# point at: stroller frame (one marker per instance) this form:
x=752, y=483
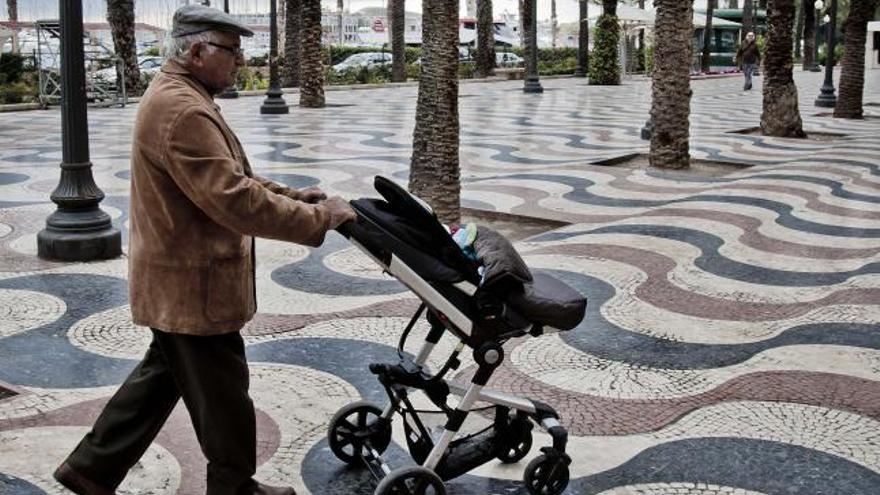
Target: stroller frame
x=366, y=428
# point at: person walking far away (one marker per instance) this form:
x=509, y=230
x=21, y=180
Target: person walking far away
x=196, y=207
x=748, y=57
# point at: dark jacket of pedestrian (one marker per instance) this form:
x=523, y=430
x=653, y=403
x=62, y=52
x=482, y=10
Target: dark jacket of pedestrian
x=195, y=207
x=748, y=53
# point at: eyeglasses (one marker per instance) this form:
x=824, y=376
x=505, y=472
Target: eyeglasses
x=236, y=51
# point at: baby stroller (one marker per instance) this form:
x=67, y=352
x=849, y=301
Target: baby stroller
x=405, y=238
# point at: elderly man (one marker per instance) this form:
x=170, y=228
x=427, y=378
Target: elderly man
x=748, y=57
x=195, y=207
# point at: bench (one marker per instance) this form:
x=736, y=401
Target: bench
x=511, y=73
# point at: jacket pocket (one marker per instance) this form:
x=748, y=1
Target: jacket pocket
x=229, y=290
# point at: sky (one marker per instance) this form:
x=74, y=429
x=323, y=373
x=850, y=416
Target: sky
x=158, y=12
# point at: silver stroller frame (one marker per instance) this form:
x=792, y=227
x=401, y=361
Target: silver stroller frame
x=360, y=432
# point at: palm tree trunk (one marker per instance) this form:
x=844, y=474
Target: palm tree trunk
x=798, y=30
x=312, y=76
x=290, y=73
x=706, y=59
x=748, y=21
x=12, y=11
x=641, y=54
x=671, y=87
x=733, y=4
x=397, y=14
x=434, y=168
x=485, y=39
x=120, y=15
x=604, y=66
x=554, y=24
x=852, y=75
x=780, y=117
x=809, y=34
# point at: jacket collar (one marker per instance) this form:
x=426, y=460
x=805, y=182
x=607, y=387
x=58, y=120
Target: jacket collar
x=175, y=68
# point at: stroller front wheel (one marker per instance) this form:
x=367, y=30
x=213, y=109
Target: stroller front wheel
x=546, y=475
x=412, y=480
x=356, y=429
x=514, y=452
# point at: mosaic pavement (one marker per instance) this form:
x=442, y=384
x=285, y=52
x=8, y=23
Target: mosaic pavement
x=732, y=344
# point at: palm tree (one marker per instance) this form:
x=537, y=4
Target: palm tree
x=780, y=117
x=670, y=84
x=485, y=39
x=434, y=169
x=747, y=19
x=554, y=25
x=852, y=75
x=397, y=14
x=12, y=10
x=798, y=30
x=706, y=59
x=120, y=15
x=809, y=34
x=311, y=69
x=290, y=73
x=604, y=67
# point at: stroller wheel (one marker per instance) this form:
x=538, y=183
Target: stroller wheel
x=412, y=480
x=546, y=475
x=355, y=429
x=515, y=452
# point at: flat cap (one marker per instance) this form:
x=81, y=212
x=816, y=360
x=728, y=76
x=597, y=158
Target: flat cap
x=192, y=19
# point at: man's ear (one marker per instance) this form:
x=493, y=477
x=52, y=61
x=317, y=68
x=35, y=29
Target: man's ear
x=195, y=52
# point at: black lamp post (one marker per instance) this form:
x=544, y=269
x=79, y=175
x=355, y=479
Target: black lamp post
x=583, y=40
x=78, y=230
x=229, y=92
x=274, y=102
x=532, y=84
x=826, y=97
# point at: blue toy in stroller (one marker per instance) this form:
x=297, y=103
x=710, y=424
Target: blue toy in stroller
x=404, y=237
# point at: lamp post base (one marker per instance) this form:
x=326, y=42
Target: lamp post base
x=827, y=98
x=532, y=85
x=647, y=130
x=228, y=93
x=79, y=236
x=580, y=72
x=274, y=104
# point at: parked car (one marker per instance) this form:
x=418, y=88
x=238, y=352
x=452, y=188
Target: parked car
x=365, y=59
x=506, y=59
x=147, y=65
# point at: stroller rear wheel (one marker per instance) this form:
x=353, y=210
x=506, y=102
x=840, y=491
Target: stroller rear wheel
x=514, y=452
x=546, y=475
x=412, y=480
x=355, y=429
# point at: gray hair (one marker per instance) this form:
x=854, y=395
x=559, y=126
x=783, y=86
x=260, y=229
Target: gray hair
x=178, y=48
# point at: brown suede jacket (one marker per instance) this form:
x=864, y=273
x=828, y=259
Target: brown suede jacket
x=195, y=208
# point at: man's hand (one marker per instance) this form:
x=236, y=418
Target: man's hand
x=340, y=211
x=312, y=194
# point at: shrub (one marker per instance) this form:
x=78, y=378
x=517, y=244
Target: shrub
x=17, y=92
x=11, y=67
x=604, y=68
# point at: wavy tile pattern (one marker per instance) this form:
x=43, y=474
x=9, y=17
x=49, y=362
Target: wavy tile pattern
x=731, y=345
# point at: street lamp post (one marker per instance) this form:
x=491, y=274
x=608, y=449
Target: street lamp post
x=826, y=97
x=274, y=102
x=814, y=67
x=78, y=230
x=532, y=84
x=583, y=40
x=231, y=91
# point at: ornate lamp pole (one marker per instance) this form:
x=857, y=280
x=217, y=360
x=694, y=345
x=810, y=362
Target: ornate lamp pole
x=583, y=40
x=274, y=102
x=532, y=84
x=229, y=92
x=78, y=230
x=827, y=98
